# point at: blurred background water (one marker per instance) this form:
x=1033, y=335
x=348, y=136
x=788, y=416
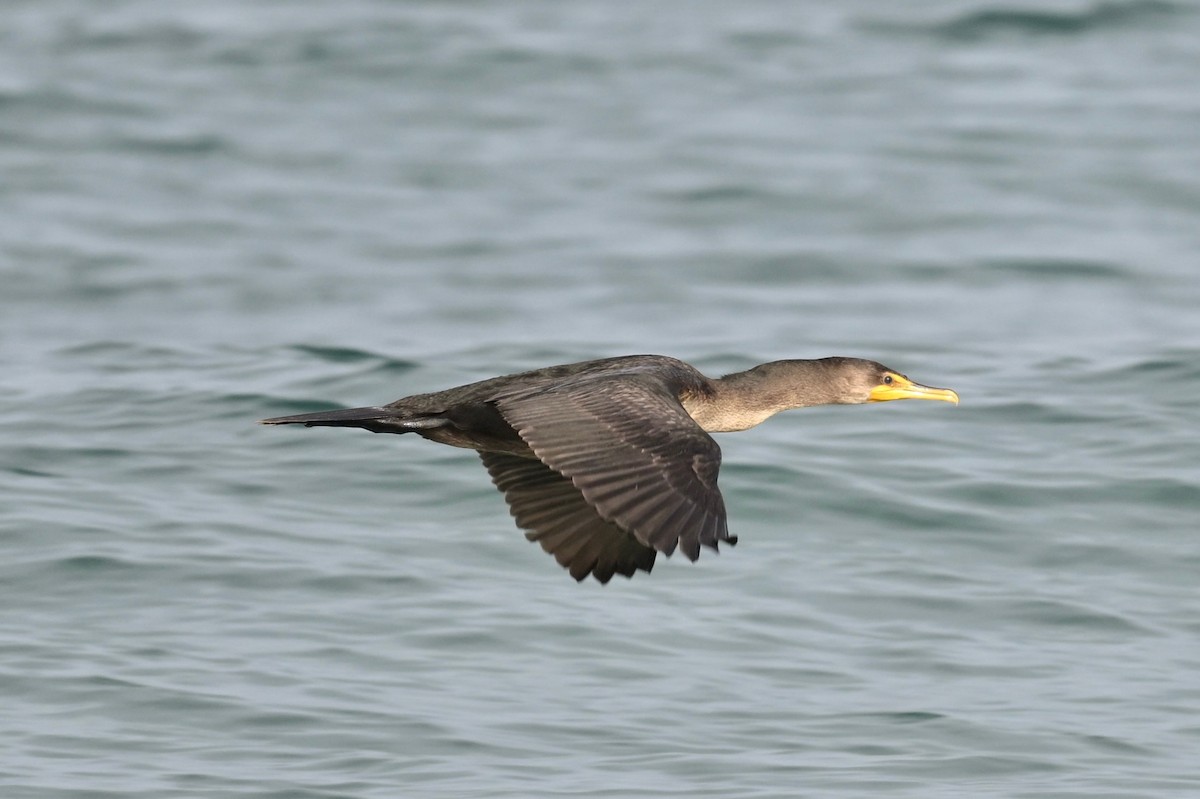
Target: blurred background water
x=212, y=213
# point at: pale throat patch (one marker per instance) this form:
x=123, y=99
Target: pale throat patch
x=719, y=417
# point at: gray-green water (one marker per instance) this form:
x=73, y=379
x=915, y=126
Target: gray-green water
x=216, y=212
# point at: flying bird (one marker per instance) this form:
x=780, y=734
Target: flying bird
x=606, y=463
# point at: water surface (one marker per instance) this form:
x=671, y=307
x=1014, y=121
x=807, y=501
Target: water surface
x=221, y=213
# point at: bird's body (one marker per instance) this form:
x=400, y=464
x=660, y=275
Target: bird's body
x=606, y=463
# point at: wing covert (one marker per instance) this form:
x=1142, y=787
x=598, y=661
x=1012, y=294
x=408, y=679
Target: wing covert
x=637, y=457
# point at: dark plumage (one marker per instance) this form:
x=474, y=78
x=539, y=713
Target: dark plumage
x=606, y=463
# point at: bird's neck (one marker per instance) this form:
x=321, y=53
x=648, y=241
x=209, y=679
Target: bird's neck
x=744, y=399
x=737, y=402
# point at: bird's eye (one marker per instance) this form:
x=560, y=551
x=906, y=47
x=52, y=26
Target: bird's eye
x=887, y=380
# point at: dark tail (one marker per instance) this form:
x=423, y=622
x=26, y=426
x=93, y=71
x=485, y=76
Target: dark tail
x=345, y=417
x=377, y=420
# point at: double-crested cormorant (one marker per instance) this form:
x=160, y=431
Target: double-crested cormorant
x=606, y=463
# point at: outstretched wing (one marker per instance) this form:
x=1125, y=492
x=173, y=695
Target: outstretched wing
x=555, y=514
x=636, y=456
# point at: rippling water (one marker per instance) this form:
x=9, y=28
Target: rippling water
x=217, y=213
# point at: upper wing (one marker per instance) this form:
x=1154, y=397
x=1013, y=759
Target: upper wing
x=554, y=512
x=634, y=454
